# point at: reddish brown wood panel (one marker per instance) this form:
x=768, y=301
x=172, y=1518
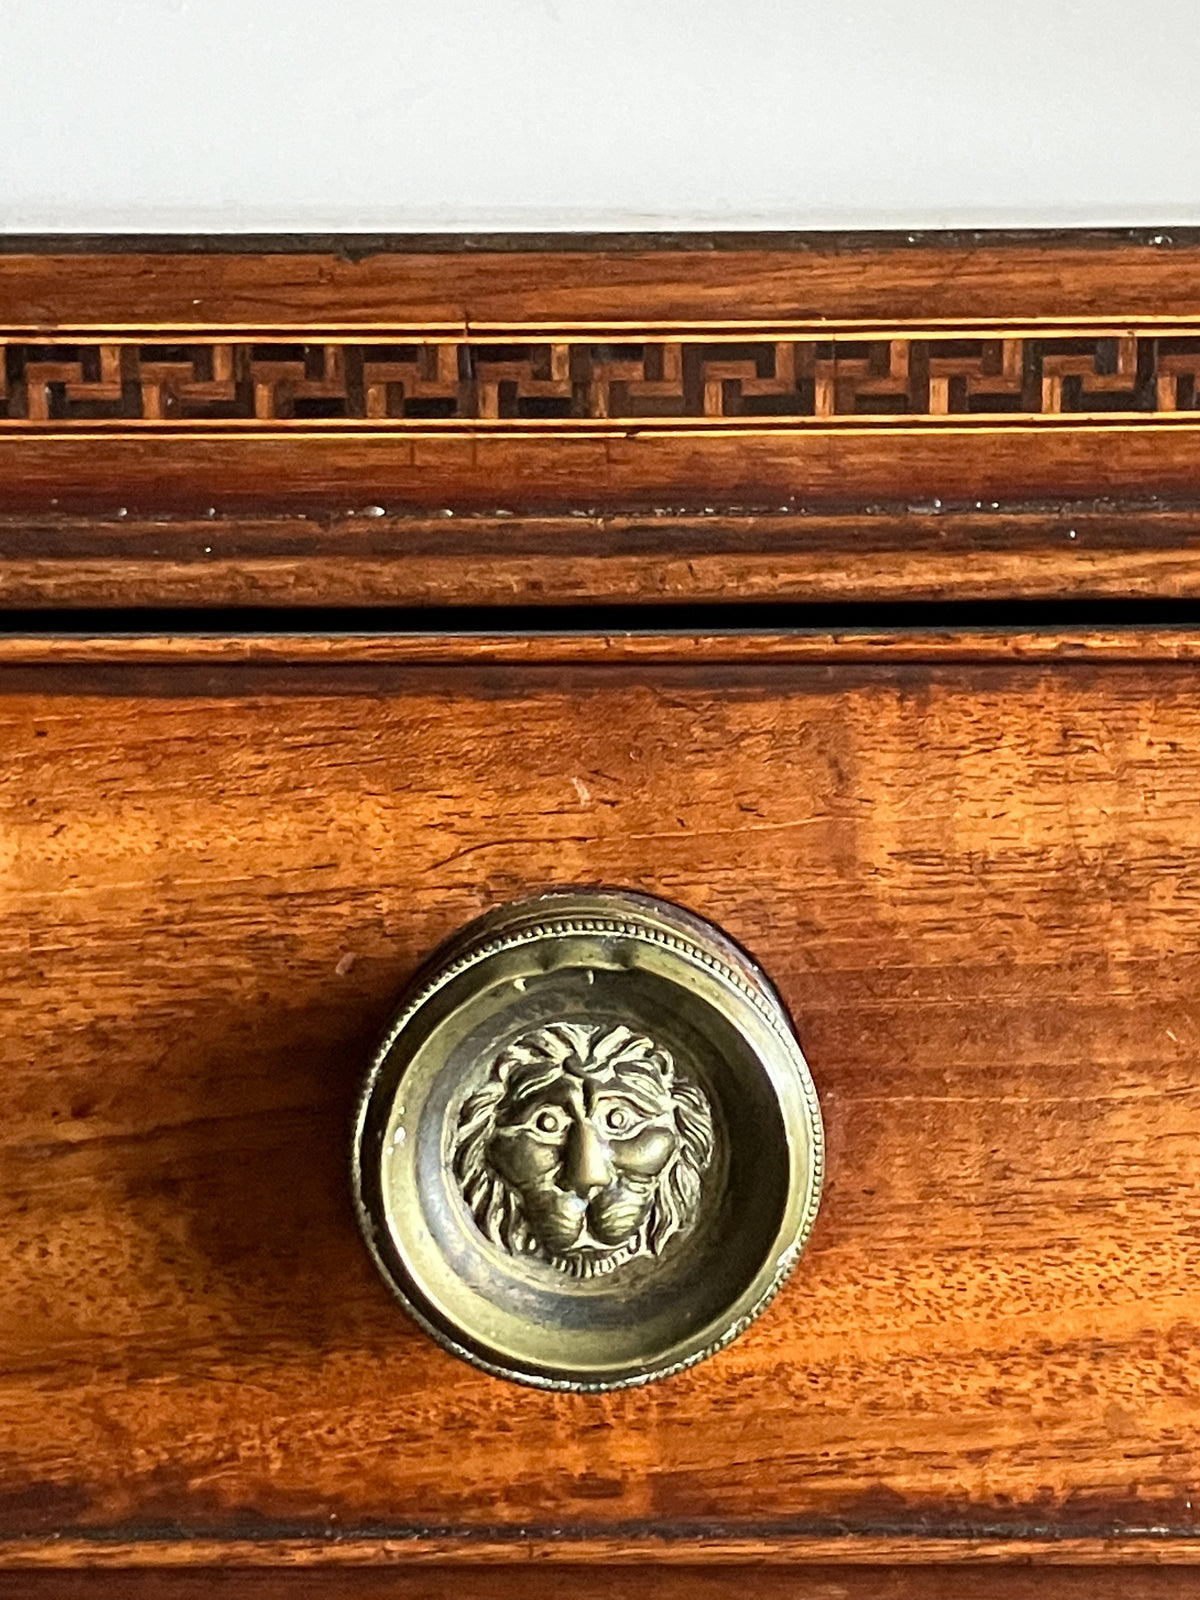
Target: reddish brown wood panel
x=367, y=558
x=106, y=654
x=975, y=884
x=1019, y=279
x=628, y=469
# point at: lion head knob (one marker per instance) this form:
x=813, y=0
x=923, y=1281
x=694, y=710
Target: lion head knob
x=584, y=1148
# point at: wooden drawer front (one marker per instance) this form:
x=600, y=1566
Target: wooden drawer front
x=976, y=881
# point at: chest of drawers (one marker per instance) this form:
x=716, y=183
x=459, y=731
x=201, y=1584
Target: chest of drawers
x=838, y=594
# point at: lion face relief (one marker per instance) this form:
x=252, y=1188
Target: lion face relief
x=584, y=1148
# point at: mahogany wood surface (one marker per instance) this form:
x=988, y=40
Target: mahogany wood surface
x=555, y=1557
x=875, y=280
x=626, y=469
x=974, y=881
x=105, y=654
x=363, y=557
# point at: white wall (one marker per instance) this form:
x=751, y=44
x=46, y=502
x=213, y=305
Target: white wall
x=243, y=115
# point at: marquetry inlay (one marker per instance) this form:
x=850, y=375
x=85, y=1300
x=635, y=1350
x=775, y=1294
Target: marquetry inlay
x=587, y=377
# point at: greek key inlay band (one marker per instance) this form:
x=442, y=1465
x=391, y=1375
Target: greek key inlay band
x=399, y=379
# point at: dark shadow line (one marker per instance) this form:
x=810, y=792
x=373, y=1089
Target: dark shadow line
x=582, y=618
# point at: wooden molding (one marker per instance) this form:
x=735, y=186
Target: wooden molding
x=878, y=649
x=569, y=1556
x=722, y=420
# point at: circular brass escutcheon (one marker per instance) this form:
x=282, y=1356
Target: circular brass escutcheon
x=589, y=1150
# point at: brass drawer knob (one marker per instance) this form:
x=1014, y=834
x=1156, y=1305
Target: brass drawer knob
x=588, y=1150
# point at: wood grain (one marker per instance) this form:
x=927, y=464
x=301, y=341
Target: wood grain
x=975, y=884
x=635, y=468
x=368, y=558
x=114, y=651
x=565, y=1552
x=1020, y=279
